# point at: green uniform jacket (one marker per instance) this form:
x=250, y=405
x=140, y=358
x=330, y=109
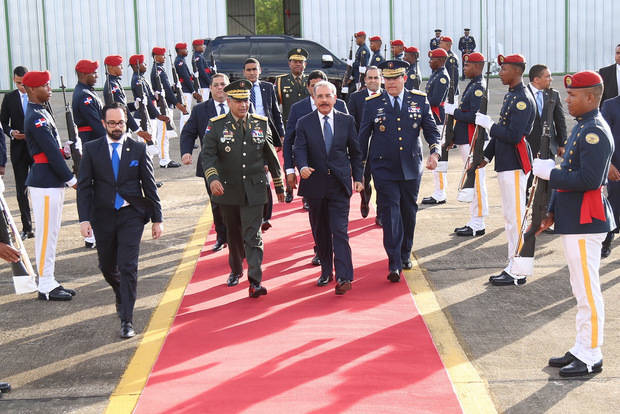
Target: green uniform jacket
x=290, y=92
x=237, y=160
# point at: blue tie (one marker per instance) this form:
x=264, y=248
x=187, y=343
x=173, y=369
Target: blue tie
x=24, y=102
x=539, y=102
x=253, y=97
x=327, y=134
x=222, y=110
x=118, y=200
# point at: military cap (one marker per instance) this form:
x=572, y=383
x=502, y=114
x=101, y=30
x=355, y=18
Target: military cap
x=474, y=58
x=34, y=79
x=412, y=49
x=437, y=30
x=113, y=60
x=584, y=79
x=360, y=33
x=393, y=68
x=514, y=59
x=297, y=53
x=437, y=53
x=86, y=66
x=136, y=59
x=445, y=39
x=159, y=50
x=397, y=42
x=180, y=45
x=466, y=29
x=198, y=42
x=239, y=90
x=375, y=39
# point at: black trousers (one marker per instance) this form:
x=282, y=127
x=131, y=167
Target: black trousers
x=118, y=234
x=220, y=228
x=20, y=170
x=268, y=209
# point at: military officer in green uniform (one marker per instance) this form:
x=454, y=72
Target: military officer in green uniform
x=237, y=147
x=291, y=87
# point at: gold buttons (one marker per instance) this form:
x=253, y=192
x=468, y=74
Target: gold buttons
x=401, y=148
x=397, y=119
x=571, y=152
x=400, y=138
x=399, y=128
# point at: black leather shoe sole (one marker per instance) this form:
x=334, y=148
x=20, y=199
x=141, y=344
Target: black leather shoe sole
x=316, y=261
x=561, y=361
x=507, y=280
x=218, y=246
x=323, y=281
x=407, y=265
x=469, y=232
x=57, y=294
x=393, y=277
x=432, y=201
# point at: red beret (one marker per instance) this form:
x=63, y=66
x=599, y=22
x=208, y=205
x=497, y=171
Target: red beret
x=445, y=39
x=86, y=66
x=159, y=50
x=501, y=59
x=474, y=58
x=397, y=42
x=198, y=42
x=180, y=46
x=585, y=79
x=35, y=79
x=437, y=53
x=362, y=33
x=113, y=60
x=412, y=49
x=135, y=59
x=375, y=39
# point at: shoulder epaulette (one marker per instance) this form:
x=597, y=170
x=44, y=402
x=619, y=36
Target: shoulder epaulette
x=282, y=75
x=215, y=118
x=262, y=118
x=417, y=92
x=368, y=98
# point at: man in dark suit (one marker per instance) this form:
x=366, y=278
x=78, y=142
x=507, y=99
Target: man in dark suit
x=195, y=127
x=611, y=78
x=611, y=113
x=116, y=197
x=12, y=118
x=327, y=154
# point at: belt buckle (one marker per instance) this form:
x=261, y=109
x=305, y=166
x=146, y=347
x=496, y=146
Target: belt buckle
x=329, y=171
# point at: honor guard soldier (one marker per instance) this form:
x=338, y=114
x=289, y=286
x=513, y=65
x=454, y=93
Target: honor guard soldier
x=452, y=63
x=467, y=45
x=291, y=87
x=375, y=48
x=412, y=54
x=186, y=80
x=435, y=40
x=237, y=147
x=465, y=116
x=398, y=48
x=201, y=69
x=582, y=217
x=46, y=182
x=394, y=119
x=362, y=57
x=437, y=92
x=512, y=155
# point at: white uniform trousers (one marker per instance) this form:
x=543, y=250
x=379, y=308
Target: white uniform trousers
x=479, y=207
x=188, y=101
x=161, y=139
x=583, y=255
x=205, y=92
x=47, y=206
x=440, y=176
x=512, y=185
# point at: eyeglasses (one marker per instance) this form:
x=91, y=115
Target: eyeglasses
x=113, y=123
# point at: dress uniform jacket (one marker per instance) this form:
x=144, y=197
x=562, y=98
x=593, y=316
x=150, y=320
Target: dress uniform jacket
x=115, y=89
x=87, y=112
x=195, y=127
x=362, y=57
x=185, y=75
x=437, y=92
x=467, y=44
x=516, y=120
x=434, y=44
x=465, y=114
x=289, y=91
x=376, y=58
x=204, y=71
x=138, y=83
x=578, y=204
x=452, y=66
x=413, y=77
x=237, y=160
x=158, y=71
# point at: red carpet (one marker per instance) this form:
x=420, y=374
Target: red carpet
x=300, y=349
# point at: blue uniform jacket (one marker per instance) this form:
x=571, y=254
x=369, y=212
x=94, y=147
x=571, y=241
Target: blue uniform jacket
x=584, y=167
x=196, y=127
x=115, y=87
x=362, y=57
x=139, y=86
x=158, y=70
x=395, y=152
x=434, y=43
x=413, y=77
x=467, y=44
x=185, y=75
x=437, y=92
x=204, y=71
x=344, y=158
x=452, y=66
x=465, y=114
x=375, y=59
x=42, y=137
x=516, y=121
x=87, y=112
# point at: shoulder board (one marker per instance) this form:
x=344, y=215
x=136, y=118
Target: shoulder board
x=262, y=118
x=368, y=98
x=282, y=75
x=216, y=118
x=417, y=92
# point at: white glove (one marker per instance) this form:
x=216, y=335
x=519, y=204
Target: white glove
x=138, y=100
x=542, y=168
x=362, y=69
x=484, y=121
x=449, y=108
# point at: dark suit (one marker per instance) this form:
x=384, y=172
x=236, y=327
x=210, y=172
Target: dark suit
x=12, y=118
x=611, y=113
x=195, y=127
x=272, y=112
x=329, y=189
x=610, y=82
x=118, y=232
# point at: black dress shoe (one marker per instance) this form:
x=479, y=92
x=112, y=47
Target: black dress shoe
x=498, y=276
x=159, y=184
x=324, y=280
x=342, y=286
x=606, y=246
x=256, y=290
x=171, y=164
x=364, y=209
x=69, y=291
x=127, y=330
x=5, y=387
x=288, y=197
x=90, y=245
x=219, y=245
x=316, y=261
x=394, y=276
x=468, y=232
x=562, y=361
x=233, y=279
x=265, y=226
x=58, y=294
x=407, y=265
x=506, y=280
x=431, y=200
x=26, y=235
x=378, y=222
x=579, y=368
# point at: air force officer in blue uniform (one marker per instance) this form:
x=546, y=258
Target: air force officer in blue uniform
x=392, y=123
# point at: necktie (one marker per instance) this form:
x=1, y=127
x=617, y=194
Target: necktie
x=24, y=102
x=539, y=102
x=396, y=105
x=328, y=134
x=118, y=200
x=241, y=125
x=253, y=97
x=222, y=110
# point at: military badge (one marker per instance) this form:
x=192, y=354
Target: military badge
x=443, y=80
x=378, y=59
x=412, y=76
x=227, y=148
x=382, y=128
x=521, y=105
x=592, y=138
x=478, y=93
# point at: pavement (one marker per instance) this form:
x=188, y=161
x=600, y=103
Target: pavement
x=67, y=357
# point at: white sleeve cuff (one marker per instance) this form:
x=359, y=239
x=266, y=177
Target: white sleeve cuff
x=71, y=182
x=290, y=171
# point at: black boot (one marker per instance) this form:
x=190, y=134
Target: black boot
x=606, y=246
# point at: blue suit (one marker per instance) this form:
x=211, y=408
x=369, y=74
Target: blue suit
x=611, y=112
x=465, y=114
x=329, y=188
x=413, y=77
x=437, y=92
x=395, y=158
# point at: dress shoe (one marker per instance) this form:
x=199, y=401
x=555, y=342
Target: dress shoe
x=378, y=221
x=316, y=261
x=579, y=368
x=69, y=291
x=468, y=232
x=431, y=200
x=364, y=209
x=256, y=290
x=606, y=246
x=58, y=294
x=127, y=330
x=506, y=280
x=171, y=164
x=90, y=245
x=394, y=276
x=219, y=245
x=498, y=276
x=288, y=198
x=265, y=226
x=562, y=361
x=233, y=279
x=407, y=265
x=324, y=280
x=5, y=387
x=159, y=184
x=26, y=235
x=342, y=286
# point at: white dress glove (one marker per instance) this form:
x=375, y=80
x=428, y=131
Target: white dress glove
x=484, y=121
x=449, y=108
x=542, y=168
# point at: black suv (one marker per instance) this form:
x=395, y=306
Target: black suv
x=229, y=53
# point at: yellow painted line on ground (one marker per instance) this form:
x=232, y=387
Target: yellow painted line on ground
x=126, y=394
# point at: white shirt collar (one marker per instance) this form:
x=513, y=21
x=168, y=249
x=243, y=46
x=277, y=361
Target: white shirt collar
x=120, y=141
x=535, y=90
x=330, y=115
x=312, y=104
x=372, y=93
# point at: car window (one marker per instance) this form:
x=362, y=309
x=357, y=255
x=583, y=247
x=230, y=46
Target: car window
x=233, y=52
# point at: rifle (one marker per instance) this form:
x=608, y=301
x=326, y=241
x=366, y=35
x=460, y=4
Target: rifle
x=385, y=51
x=176, y=86
x=212, y=62
x=76, y=155
x=476, y=150
x=161, y=101
x=145, y=123
x=195, y=78
x=448, y=124
x=108, y=96
x=346, y=79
